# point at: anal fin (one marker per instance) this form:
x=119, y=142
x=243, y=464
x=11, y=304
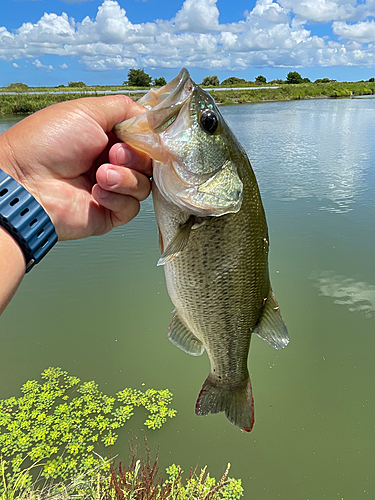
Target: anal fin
x=182, y=337
x=271, y=327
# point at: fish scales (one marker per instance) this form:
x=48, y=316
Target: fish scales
x=214, y=241
x=224, y=269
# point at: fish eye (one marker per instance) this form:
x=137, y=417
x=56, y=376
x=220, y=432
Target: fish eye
x=209, y=121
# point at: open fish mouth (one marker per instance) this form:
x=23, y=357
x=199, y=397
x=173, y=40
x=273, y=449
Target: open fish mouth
x=163, y=106
x=182, y=131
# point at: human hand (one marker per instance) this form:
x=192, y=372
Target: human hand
x=67, y=157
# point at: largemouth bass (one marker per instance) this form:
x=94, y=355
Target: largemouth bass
x=213, y=238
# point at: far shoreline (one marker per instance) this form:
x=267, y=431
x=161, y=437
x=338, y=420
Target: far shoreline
x=21, y=102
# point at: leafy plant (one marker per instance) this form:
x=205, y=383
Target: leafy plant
x=61, y=420
x=138, y=78
x=79, y=84
x=211, y=81
x=142, y=481
x=159, y=82
x=18, y=87
x=293, y=77
x=260, y=80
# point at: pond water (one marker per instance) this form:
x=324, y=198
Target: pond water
x=99, y=309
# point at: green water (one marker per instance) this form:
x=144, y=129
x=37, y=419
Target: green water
x=99, y=309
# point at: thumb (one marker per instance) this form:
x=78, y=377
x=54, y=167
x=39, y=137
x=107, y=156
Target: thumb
x=109, y=110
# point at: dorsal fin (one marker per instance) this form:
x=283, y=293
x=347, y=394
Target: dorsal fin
x=271, y=326
x=182, y=337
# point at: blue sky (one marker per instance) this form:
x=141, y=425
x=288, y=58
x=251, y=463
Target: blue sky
x=97, y=41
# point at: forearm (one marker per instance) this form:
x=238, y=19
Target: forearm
x=12, y=267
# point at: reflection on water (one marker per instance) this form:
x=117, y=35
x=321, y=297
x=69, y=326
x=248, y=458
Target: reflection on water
x=358, y=296
x=329, y=144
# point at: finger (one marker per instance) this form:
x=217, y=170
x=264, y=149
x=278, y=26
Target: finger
x=124, y=155
x=122, y=180
x=122, y=208
x=110, y=110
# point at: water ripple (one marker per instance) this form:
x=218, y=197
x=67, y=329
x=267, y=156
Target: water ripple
x=322, y=152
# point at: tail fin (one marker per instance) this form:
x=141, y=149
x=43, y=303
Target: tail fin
x=236, y=401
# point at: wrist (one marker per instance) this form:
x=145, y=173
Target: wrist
x=12, y=267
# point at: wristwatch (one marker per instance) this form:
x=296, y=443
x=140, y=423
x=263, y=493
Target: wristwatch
x=26, y=220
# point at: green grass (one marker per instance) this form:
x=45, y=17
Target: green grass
x=22, y=103
x=26, y=104
x=295, y=92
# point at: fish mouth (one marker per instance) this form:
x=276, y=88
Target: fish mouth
x=203, y=191
x=163, y=106
x=166, y=103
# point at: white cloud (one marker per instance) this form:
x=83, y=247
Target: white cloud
x=40, y=65
x=363, y=31
x=197, y=16
x=273, y=33
x=63, y=66
x=15, y=65
x=322, y=11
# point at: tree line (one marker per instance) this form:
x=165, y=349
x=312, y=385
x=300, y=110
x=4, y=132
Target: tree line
x=293, y=77
x=139, y=78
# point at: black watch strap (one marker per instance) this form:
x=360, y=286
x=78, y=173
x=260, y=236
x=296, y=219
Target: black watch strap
x=26, y=220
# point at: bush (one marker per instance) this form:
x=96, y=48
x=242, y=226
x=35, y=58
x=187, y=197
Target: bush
x=260, y=80
x=160, y=82
x=233, y=80
x=138, y=78
x=18, y=87
x=77, y=84
x=293, y=77
x=211, y=81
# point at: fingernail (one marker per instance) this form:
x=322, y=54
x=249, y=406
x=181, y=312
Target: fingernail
x=123, y=156
x=113, y=177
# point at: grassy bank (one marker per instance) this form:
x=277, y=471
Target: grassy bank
x=21, y=103
x=294, y=92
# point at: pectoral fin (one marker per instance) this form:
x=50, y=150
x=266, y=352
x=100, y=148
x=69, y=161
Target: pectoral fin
x=271, y=327
x=178, y=243
x=182, y=337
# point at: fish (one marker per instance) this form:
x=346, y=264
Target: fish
x=213, y=239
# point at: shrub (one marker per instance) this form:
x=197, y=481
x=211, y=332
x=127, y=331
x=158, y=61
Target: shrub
x=160, y=82
x=233, y=80
x=138, y=78
x=260, y=80
x=293, y=77
x=76, y=84
x=18, y=87
x=211, y=81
